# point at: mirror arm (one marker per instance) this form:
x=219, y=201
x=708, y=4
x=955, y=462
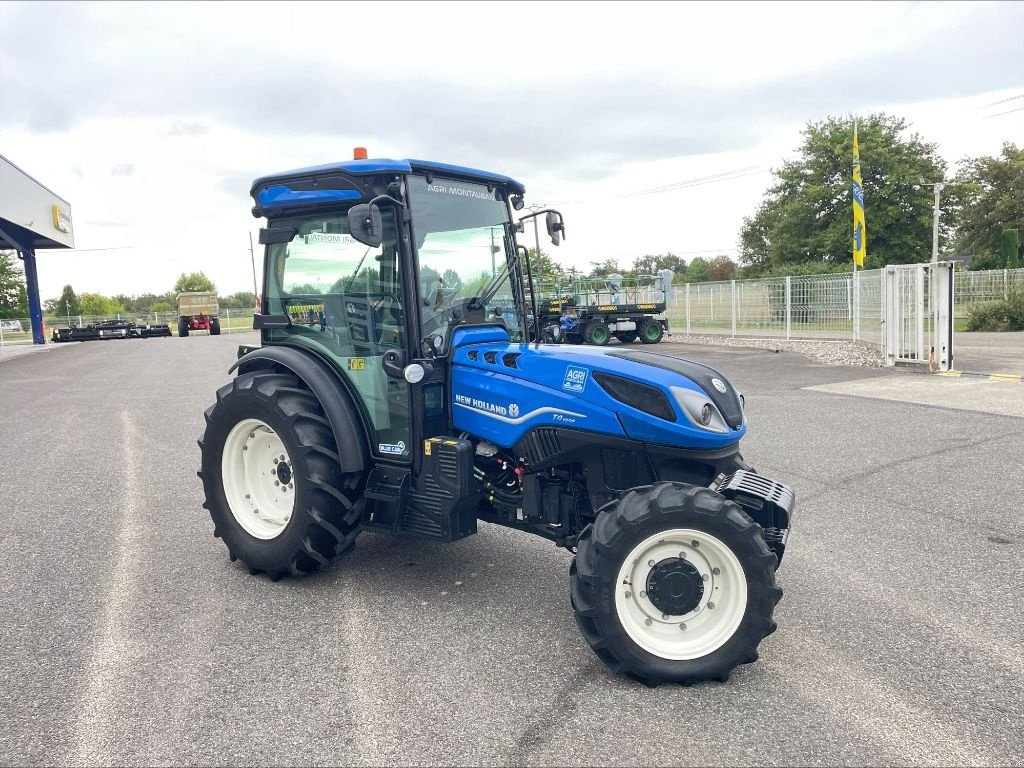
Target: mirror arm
x=533, y=296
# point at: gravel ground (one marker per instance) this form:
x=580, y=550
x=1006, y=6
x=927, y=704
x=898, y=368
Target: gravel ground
x=828, y=352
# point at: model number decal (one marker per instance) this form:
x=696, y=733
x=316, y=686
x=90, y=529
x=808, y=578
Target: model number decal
x=575, y=379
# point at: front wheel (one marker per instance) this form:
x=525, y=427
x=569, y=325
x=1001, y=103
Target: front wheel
x=215, y=327
x=274, y=489
x=182, y=327
x=674, y=583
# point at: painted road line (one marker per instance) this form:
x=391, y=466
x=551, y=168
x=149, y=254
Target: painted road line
x=1009, y=377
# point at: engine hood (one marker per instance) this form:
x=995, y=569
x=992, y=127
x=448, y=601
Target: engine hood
x=628, y=392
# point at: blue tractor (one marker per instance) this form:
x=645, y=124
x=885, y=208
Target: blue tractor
x=399, y=389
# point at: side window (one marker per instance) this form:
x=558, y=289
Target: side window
x=344, y=300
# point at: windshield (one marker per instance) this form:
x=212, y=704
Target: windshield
x=463, y=243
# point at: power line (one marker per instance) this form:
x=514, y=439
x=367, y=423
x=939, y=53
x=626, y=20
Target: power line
x=699, y=181
x=1003, y=101
x=998, y=114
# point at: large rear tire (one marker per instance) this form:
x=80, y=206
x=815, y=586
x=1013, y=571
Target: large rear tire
x=273, y=484
x=182, y=327
x=674, y=583
x=215, y=327
x=652, y=332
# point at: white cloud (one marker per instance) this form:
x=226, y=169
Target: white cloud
x=581, y=102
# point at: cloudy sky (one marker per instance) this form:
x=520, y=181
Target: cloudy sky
x=153, y=119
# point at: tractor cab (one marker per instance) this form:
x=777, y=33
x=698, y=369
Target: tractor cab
x=371, y=265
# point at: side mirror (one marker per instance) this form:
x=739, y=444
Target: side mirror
x=366, y=224
x=556, y=228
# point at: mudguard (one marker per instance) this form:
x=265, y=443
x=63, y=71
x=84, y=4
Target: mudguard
x=329, y=389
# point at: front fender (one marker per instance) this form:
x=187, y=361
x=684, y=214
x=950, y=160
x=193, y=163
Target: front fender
x=333, y=394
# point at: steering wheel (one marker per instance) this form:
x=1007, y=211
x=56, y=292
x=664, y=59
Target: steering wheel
x=389, y=301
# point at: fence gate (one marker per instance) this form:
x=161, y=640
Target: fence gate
x=919, y=315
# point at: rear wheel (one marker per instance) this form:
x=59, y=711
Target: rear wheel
x=626, y=337
x=182, y=327
x=651, y=332
x=215, y=327
x=274, y=488
x=674, y=583
x=597, y=334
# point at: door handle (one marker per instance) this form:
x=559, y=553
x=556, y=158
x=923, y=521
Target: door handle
x=393, y=363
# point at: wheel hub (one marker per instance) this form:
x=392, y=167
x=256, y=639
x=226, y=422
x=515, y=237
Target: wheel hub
x=284, y=473
x=675, y=587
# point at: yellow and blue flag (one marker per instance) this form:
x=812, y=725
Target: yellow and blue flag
x=860, y=232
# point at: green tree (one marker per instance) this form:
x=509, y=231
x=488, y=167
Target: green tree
x=13, y=296
x=697, y=272
x=544, y=267
x=992, y=190
x=68, y=304
x=161, y=306
x=807, y=213
x=97, y=304
x=606, y=267
x=652, y=265
x=1010, y=248
x=239, y=300
x=193, y=282
x=721, y=268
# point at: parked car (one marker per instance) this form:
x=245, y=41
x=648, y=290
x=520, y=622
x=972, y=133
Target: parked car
x=11, y=326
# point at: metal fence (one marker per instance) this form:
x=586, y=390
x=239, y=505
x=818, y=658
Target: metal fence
x=231, y=321
x=838, y=306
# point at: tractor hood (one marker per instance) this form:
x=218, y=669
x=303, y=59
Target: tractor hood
x=501, y=390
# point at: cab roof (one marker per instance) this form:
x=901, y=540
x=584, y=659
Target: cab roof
x=385, y=165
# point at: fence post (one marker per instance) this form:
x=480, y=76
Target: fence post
x=789, y=306
x=1006, y=285
x=227, y=311
x=732, y=286
x=2, y=335
x=687, y=309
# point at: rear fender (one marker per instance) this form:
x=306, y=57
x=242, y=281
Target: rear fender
x=333, y=394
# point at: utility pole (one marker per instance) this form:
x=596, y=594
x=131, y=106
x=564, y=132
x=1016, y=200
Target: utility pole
x=252, y=256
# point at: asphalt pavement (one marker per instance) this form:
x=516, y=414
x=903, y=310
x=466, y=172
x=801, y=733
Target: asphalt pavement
x=128, y=637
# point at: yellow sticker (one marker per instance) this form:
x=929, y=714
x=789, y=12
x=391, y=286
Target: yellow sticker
x=426, y=447
x=357, y=364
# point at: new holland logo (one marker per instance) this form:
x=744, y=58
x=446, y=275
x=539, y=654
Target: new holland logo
x=513, y=410
x=719, y=385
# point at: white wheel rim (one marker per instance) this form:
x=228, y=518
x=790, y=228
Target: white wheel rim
x=252, y=468
x=716, y=615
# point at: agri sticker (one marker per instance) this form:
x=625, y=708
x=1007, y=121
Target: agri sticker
x=575, y=379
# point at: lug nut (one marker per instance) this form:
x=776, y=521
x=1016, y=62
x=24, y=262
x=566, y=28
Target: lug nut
x=695, y=544
x=282, y=457
x=629, y=595
x=711, y=606
x=716, y=571
x=682, y=627
x=276, y=482
x=252, y=435
x=648, y=622
x=650, y=563
x=275, y=461
x=291, y=485
x=682, y=555
x=705, y=576
x=664, y=617
x=643, y=594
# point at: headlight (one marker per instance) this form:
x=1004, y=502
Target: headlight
x=699, y=409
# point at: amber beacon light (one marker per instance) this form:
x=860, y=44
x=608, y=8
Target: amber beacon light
x=359, y=153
